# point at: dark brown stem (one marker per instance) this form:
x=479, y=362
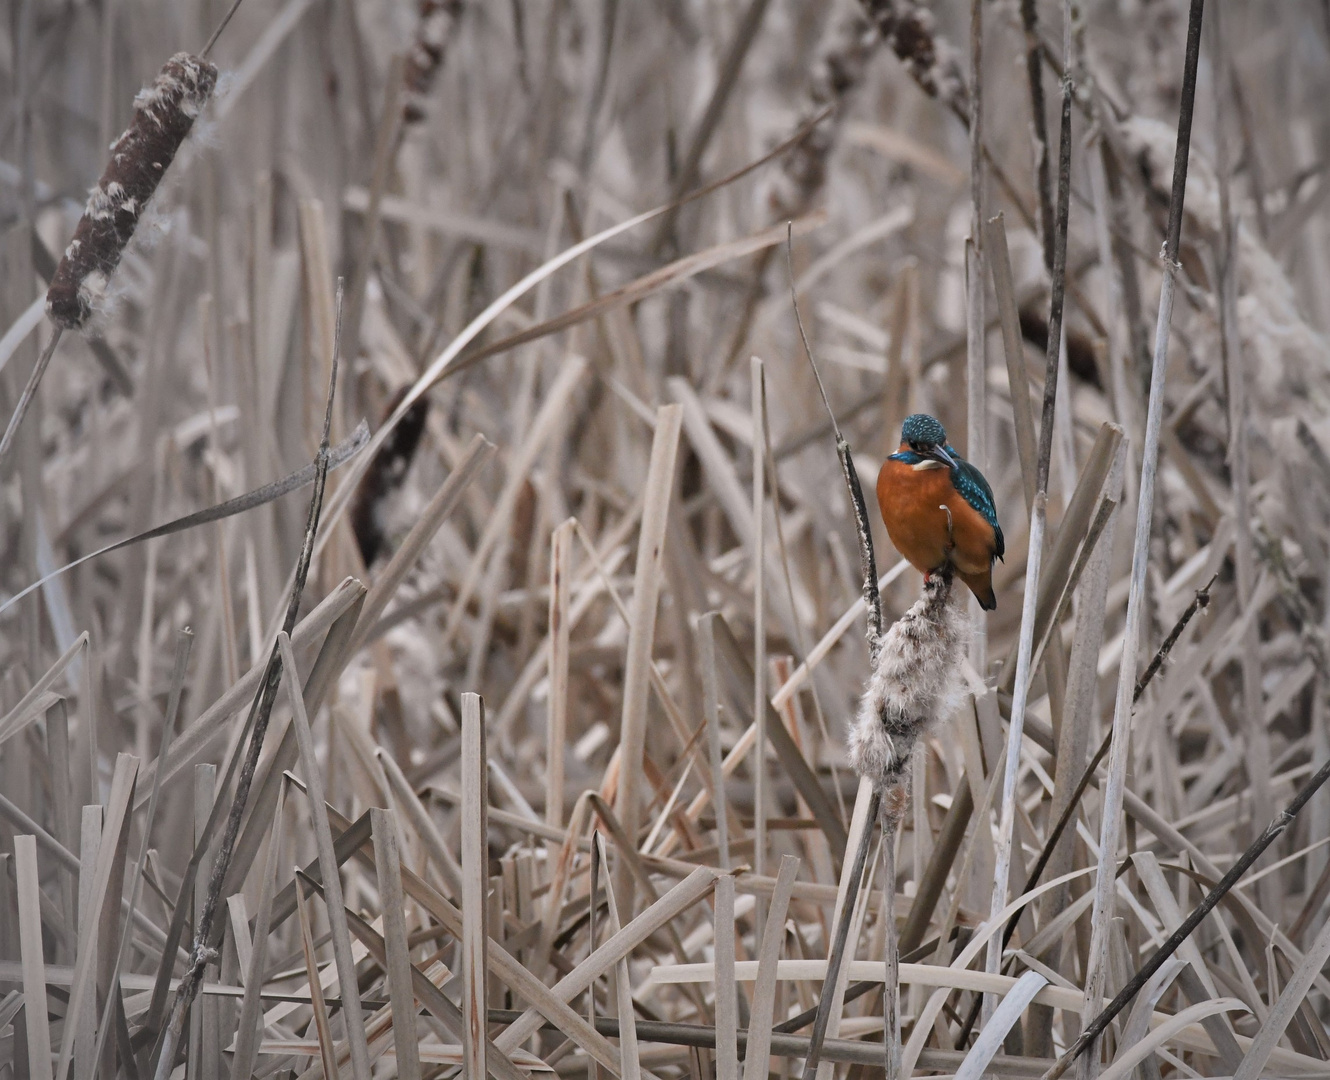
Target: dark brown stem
x=226, y=19
x=1039, y=118
x=867, y=560
x=1056, y=303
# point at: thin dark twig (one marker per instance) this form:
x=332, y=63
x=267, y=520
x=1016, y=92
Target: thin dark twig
x=1200, y=601
x=260, y=712
x=1039, y=118
x=836, y=954
x=29, y=392
x=867, y=560
x=226, y=19
x=799, y=322
x=1273, y=831
x=1182, y=148
x=1059, y=290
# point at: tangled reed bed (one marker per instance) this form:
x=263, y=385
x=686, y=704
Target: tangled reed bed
x=558, y=730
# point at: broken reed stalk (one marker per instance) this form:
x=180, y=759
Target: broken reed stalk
x=260, y=712
x=1111, y=811
x=1038, y=517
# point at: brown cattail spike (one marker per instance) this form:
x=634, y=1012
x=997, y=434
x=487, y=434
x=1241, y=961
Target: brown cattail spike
x=910, y=31
x=385, y=474
x=163, y=115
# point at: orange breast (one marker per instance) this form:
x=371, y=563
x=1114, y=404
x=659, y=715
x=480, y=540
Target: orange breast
x=911, y=501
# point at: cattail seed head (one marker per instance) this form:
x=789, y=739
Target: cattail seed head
x=163, y=115
x=909, y=29
x=438, y=18
x=386, y=472
x=914, y=685
x=839, y=69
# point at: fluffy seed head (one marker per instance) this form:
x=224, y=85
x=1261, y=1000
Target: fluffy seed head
x=914, y=685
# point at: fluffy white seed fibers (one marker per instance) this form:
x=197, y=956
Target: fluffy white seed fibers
x=916, y=683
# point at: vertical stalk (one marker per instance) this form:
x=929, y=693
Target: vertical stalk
x=1039, y=121
x=976, y=366
x=891, y=989
x=1038, y=514
x=1020, y=695
x=1113, y=789
x=759, y=627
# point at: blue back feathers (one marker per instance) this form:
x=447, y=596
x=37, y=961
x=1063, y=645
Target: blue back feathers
x=974, y=489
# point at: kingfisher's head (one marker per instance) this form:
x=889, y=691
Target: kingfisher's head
x=923, y=434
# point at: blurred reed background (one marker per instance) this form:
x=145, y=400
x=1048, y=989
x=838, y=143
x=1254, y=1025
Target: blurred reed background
x=603, y=516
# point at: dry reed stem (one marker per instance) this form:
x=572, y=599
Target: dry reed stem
x=341, y=938
x=642, y=628
x=1110, y=820
x=475, y=881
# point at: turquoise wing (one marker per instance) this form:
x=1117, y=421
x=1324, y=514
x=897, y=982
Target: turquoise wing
x=974, y=489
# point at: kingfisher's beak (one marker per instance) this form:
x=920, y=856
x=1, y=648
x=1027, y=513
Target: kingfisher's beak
x=940, y=453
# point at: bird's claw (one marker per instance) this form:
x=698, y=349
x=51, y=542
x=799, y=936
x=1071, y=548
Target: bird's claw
x=951, y=533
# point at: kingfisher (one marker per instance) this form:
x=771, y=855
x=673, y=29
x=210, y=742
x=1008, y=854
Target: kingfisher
x=939, y=509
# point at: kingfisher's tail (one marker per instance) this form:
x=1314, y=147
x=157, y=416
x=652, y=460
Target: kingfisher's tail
x=982, y=586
